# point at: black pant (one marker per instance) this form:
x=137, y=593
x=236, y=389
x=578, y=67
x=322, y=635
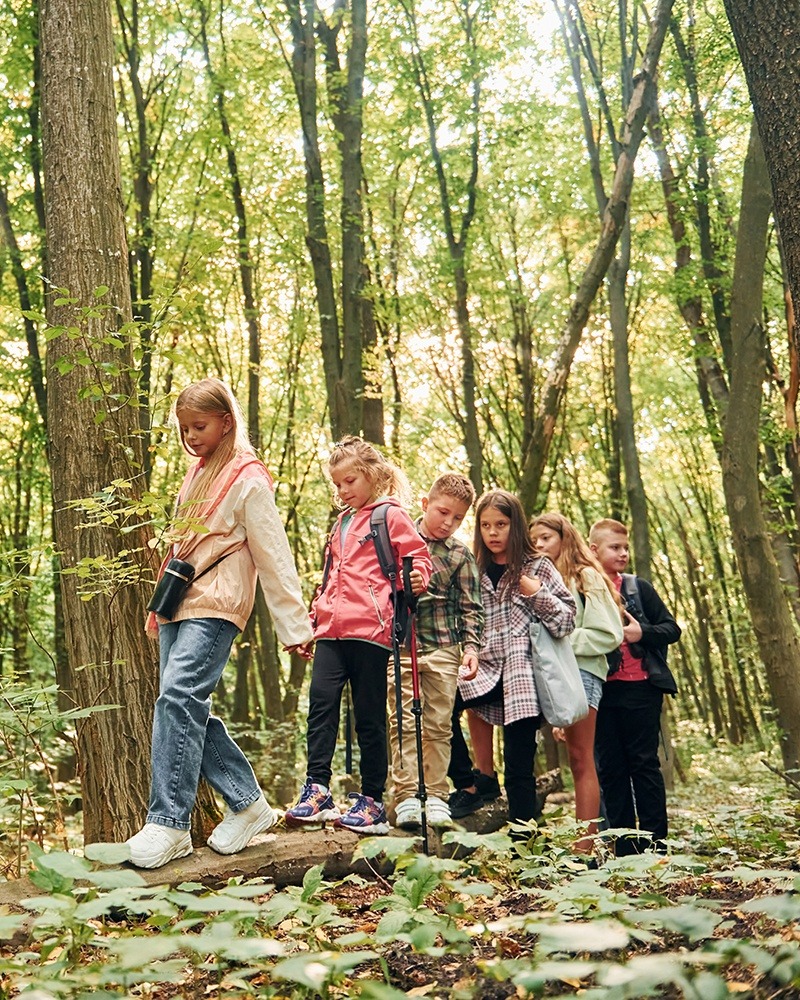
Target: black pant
x=363, y=664
x=519, y=750
x=626, y=746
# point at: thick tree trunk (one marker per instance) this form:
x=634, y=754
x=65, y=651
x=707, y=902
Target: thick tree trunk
x=92, y=408
x=768, y=38
x=772, y=622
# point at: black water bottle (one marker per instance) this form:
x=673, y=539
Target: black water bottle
x=171, y=589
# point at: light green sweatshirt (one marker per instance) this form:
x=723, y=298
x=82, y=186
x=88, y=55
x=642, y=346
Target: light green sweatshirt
x=598, y=624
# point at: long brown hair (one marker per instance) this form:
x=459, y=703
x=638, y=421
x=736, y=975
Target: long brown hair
x=520, y=547
x=212, y=396
x=575, y=555
x=385, y=478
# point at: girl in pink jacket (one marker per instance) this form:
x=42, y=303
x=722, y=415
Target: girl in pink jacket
x=352, y=618
x=230, y=532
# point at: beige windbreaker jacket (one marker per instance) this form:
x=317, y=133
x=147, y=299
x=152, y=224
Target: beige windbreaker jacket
x=246, y=525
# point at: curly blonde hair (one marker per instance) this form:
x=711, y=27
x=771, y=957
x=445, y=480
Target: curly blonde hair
x=385, y=478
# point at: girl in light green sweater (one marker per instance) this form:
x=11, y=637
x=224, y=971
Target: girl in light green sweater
x=598, y=631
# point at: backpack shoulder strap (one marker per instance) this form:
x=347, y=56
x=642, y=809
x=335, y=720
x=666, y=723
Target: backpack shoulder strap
x=630, y=589
x=379, y=530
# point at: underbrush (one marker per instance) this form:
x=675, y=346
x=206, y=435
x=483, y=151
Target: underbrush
x=719, y=916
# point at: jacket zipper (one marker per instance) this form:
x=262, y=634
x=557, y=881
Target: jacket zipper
x=377, y=606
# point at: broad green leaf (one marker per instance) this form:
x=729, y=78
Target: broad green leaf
x=107, y=854
x=537, y=976
x=498, y=843
x=391, y=924
x=696, y=922
x=63, y=863
x=312, y=880
x=391, y=847
x=596, y=935
x=785, y=907
x=315, y=969
x=423, y=936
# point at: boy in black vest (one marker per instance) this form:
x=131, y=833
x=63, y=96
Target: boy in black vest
x=629, y=717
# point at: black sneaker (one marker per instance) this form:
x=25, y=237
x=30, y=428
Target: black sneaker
x=487, y=784
x=463, y=803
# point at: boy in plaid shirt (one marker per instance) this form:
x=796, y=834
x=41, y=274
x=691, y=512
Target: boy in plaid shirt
x=449, y=628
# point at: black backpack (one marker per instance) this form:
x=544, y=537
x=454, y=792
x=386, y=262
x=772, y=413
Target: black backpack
x=379, y=533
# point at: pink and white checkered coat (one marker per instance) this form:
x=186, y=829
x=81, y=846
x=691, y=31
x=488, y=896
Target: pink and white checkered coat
x=506, y=651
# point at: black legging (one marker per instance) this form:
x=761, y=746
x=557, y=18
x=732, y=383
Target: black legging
x=363, y=664
x=519, y=750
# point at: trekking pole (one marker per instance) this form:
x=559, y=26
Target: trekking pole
x=416, y=702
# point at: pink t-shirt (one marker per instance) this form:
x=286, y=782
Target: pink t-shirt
x=631, y=667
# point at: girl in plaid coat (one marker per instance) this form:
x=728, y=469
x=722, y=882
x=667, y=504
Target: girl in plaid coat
x=517, y=586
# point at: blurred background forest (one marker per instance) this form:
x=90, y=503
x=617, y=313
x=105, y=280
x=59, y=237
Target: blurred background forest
x=379, y=221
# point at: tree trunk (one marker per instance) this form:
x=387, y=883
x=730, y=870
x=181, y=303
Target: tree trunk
x=623, y=399
x=768, y=38
x=614, y=216
x=772, y=622
x=456, y=234
x=91, y=405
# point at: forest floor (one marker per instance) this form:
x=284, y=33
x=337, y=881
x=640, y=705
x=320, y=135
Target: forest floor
x=718, y=917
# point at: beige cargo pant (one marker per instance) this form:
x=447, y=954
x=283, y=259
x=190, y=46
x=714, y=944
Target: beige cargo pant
x=438, y=678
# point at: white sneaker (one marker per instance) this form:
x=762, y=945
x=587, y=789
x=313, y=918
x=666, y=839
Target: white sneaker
x=237, y=829
x=438, y=812
x=154, y=845
x=408, y=815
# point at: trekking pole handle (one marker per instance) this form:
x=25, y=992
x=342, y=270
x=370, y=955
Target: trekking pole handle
x=411, y=600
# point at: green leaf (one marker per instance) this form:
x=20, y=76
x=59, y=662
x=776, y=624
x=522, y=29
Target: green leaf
x=536, y=977
x=391, y=847
x=314, y=970
x=598, y=935
x=312, y=880
x=381, y=991
x=118, y=878
x=391, y=924
x=696, y=922
x=423, y=936
x=107, y=853
x=100, y=291
x=63, y=863
x=498, y=843
x=785, y=907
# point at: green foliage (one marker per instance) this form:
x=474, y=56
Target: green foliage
x=630, y=928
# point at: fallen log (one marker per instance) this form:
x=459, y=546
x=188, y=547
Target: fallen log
x=282, y=857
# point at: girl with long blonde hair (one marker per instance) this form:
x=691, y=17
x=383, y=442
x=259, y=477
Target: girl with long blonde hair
x=598, y=632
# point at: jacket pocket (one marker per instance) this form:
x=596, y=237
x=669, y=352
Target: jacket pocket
x=377, y=607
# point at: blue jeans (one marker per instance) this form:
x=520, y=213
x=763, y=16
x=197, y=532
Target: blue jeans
x=188, y=741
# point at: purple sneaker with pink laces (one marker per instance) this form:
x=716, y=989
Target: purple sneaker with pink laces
x=314, y=806
x=365, y=815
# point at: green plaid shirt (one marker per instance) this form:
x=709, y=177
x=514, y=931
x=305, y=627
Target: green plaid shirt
x=450, y=611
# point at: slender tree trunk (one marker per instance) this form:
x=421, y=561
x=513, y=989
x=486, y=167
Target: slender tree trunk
x=456, y=233
x=623, y=399
x=614, y=216
x=772, y=622
x=91, y=405
x=142, y=258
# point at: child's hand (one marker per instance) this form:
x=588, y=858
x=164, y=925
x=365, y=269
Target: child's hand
x=559, y=735
x=469, y=666
x=631, y=630
x=417, y=581
x=530, y=585
x=302, y=649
